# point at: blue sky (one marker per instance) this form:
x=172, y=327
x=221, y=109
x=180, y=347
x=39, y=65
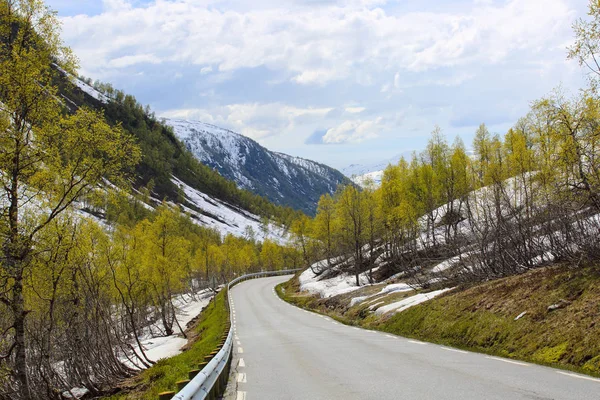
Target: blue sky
x=335, y=81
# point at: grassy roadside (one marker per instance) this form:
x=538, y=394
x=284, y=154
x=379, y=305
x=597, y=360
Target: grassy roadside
x=482, y=318
x=165, y=373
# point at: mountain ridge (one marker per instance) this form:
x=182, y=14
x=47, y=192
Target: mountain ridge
x=282, y=178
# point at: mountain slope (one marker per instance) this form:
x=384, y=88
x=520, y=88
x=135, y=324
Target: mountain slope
x=170, y=171
x=283, y=179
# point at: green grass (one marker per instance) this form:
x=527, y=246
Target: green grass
x=482, y=318
x=162, y=376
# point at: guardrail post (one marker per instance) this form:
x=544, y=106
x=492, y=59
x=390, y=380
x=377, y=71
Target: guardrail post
x=166, y=395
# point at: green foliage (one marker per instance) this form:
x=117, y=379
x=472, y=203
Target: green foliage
x=551, y=355
x=164, y=156
x=164, y=374
x=50, y=158
x=587, y=43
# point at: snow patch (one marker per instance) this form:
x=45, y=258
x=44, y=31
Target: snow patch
x=409, y=302
x=340, y=284
x=520, y=315
x=75, y=393
x=158, y=347
x=226, y=218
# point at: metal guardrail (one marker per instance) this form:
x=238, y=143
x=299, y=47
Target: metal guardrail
x=204, y=384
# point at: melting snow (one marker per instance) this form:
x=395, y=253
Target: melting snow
x=157, y=347
x=227, y=219
x=75, y=393
x=404, y=304
x=340, y=284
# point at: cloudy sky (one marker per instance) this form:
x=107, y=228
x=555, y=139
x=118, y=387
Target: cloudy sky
x=338, y=81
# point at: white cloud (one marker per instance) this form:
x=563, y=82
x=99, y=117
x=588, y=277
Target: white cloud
x=353, y=131
x=127, y=61
x=341, y=71
x=355, y=110
x=316, y=45
x=116, y=5
x=257, y=121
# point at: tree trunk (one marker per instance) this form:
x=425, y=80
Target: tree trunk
x=18, y=308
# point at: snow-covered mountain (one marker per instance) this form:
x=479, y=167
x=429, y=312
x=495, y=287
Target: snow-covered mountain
x=283, y=179
x=361, y=173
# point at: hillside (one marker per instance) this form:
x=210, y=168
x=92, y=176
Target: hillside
x=169, y=170
x=283, y=179
x=119, y=236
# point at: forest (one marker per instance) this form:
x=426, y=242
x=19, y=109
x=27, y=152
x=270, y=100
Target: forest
x=517, y=202
x=502, y=206
x=77, y=291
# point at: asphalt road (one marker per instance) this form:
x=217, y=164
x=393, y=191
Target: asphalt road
x=285, y=353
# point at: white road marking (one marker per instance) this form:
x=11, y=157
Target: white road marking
x=507, y=361
x=390, y=336
x=454, y=350
x=241, y=363
x=241, y=396
x=587, y=378
x=240, y=350
x=355, y=328
x=239, y=343
x=236, y=337
x=416, y=342
x=241, y=377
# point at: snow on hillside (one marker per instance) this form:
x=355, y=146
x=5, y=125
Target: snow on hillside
x=206, y=139
x=157, y=346
x=369, y=178
x=227, y=219
x=283, y=179
x=337, y=285
x=409, y=302
x=308, y=165
x=339, y=281
x=90, y=90
x=84, y=86
x=204, y=210
x=346, y=283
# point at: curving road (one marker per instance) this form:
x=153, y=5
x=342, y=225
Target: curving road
x=285, y=353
